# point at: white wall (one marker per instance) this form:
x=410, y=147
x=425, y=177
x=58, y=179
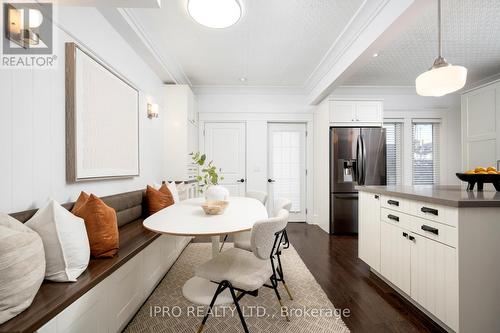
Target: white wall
x=32, y=118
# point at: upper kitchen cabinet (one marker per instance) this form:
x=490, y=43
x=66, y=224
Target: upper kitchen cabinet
x=181, y=132
x=481, y=126
x=356, y=113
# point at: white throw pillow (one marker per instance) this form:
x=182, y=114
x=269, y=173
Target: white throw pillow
x=173, y=189
x=67, y=249
x=22, y=266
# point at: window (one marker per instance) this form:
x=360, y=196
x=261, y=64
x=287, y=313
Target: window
x=393, y=132
x=425, y=153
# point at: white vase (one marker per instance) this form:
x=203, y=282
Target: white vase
x=216, y=193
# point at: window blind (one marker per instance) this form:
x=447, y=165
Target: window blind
x=394, y=142
x=425, y=153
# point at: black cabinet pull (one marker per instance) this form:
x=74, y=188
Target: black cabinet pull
x=393, y=202
x=376, y=196
x=393, y=217
x=411, y=238
x=430, y=229
x=242, y=180
x=270, y=180
x=429, y=210
x=405, y=235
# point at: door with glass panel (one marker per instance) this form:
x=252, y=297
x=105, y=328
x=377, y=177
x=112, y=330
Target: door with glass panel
x=287, y=167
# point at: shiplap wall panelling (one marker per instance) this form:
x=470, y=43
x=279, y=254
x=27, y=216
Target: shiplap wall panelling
x=5, y=139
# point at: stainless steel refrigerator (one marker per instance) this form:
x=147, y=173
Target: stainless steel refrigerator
x=357, y=157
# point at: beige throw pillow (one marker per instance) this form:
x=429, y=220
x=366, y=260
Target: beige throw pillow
x=22, y=266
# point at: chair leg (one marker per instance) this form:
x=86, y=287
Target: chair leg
x=282, y=278
x=220, y=289
x=274, y=283
x=240, y=313
x=223, y=242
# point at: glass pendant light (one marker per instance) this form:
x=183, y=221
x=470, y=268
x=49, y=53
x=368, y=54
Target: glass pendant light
x=442, y=78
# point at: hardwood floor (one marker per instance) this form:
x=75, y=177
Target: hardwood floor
x=374, y=306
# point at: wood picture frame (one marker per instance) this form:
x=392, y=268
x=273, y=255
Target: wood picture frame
x=98, y=101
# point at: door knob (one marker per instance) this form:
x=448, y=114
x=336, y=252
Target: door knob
x=270, y=180
x=242, y=180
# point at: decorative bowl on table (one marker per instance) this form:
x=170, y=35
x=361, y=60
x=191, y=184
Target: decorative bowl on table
x=480, y=176
x=214, y=207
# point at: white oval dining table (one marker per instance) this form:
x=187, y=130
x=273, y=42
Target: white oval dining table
x=187, y=218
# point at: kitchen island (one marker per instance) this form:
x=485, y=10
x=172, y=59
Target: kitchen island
x=439, y=247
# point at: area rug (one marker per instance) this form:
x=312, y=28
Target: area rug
x=310, y=311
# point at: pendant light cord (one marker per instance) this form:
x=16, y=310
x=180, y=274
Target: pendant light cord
x=439, y=30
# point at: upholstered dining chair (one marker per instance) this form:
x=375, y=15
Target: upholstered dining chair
x=246, y=272
x=243, y=242
x=259, y=195
x=244, y=237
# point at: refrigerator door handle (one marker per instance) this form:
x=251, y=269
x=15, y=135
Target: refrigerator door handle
x=363, y=160
x=357, y=175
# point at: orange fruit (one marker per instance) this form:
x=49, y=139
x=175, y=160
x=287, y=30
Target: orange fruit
x=480, y=169
x=491, y=169
x=492, y=172
x=470, y=172
x=482, y=173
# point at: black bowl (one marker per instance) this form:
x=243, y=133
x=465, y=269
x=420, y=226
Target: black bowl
x=480, y=180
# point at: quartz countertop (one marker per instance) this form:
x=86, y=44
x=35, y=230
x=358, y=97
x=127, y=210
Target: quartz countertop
x=454, y=196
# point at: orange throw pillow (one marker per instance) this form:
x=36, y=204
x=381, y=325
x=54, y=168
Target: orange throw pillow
x=80, y=202
x=102, y=227
x=158, y=199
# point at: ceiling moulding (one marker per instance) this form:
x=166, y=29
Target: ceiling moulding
x=125, y=23
x=481, y=83
x=110, y=3
x=373, y=26
x=248, y=90
x=374, y=90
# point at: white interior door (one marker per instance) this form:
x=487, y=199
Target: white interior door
x=225, y=145
x=287, y=167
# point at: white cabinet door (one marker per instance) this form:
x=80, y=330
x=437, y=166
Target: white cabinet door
x=126, y=294
x=481, y=126
x=342, y=111
x=395, y=255
x=369, y=112
x=369, y=229
x=225, y=145
x=434, y=278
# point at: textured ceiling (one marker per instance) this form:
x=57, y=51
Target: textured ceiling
x=276, y=43
x=471, y=38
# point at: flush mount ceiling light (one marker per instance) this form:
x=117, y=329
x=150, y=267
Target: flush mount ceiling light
x=442, y=78
x=215, y=13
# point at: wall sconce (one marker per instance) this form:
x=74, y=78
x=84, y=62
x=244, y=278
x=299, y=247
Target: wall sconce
x=152, y=110
x=22, y=25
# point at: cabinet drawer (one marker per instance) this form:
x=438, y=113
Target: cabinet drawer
x=395, y=203
x=437, y=231
x=396, y=218
x=438, y=213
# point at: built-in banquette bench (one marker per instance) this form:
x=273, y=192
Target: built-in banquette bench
x=109, y=293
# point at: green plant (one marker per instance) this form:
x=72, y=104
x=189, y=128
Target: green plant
x=209, y=174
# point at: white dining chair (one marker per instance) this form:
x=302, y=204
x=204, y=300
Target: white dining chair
x=259, y=195
x=246, y=272
x=244, y=237
x=244, y=243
